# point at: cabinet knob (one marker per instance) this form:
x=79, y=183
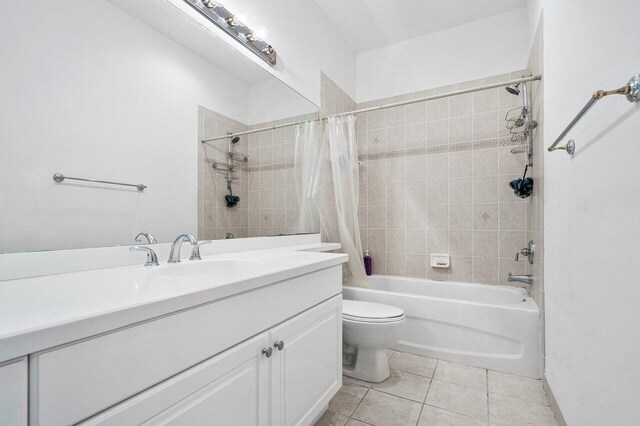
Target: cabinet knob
x=267, y=352
x=279, y=345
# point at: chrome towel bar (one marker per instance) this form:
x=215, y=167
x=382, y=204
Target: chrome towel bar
x=631, y=90
x=59, y=177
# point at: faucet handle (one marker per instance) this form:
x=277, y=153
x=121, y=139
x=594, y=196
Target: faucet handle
x=152, y=259
x=195, y=251
x=148, y=235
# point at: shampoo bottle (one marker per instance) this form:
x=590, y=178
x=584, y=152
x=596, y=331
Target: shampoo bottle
x=368, y=265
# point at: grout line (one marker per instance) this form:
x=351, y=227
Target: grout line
x=360, y=402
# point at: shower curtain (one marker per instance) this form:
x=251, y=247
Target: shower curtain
x=306, y=163
x=339, y=194
x=325, y=170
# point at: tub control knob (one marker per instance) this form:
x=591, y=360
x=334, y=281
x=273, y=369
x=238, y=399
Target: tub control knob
x=279, y=345
x=267, y=352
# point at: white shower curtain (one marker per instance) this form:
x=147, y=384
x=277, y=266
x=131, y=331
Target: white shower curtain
x=306, y=166
x=338, y=194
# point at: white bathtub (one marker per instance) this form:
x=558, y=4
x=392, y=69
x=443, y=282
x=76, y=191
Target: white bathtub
x=487, y=326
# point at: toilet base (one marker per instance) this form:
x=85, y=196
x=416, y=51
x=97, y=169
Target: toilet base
x=371, y=365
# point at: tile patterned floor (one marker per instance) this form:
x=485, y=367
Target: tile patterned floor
x=428, y=392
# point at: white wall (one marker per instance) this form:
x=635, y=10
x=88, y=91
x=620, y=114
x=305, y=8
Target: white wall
x=491, y=46
x=89, y=91
x=592, y=211
x=306, y=42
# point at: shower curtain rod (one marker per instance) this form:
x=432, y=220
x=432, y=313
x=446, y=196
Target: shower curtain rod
x=385, y=106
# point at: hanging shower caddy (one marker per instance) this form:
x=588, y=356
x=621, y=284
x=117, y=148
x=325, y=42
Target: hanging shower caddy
x=229, y=169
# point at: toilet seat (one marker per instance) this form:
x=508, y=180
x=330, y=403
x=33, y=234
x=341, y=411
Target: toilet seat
x=358, y=311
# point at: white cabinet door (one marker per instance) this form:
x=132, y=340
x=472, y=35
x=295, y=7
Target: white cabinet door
x=13, y=392
x=229, y=389
x=307, y=371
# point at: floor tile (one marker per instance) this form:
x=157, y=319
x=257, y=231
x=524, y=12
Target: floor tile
x=347, y=399
x=390, y=353
x=331, y=418
x=517, y=387
x=507, y=411
x=406, y=385
x=346, y=380
x=413, y=364
x=381, y=409
x=433, y=416
x=471, y=377
x=459, y=399
x=354, y=422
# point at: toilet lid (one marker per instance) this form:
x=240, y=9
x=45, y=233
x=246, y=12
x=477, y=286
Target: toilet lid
x=370, y=312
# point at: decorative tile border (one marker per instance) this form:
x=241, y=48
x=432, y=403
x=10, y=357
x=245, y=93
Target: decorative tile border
x=441, y=149
x=409, y=152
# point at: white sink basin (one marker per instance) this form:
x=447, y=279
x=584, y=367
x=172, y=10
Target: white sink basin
x=203, y=268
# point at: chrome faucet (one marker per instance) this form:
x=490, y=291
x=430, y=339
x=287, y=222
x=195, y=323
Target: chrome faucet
x=526, y=279
x=174, y=254
x=195, y=251
x=152, y=259
x=528, y=251
x=150, y=238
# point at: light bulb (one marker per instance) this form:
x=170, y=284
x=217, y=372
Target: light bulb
x=260, y=32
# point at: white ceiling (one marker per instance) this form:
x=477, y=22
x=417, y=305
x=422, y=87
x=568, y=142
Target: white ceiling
x=370, y=24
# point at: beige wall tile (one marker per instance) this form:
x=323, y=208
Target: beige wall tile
x=437, y=216
x=416, y=266
x=460, y=105
x=460, y=164
x=512, y=216
x=485, y=216
x=416, y=193
x=460, y=190
x=437, y=191
x=416, y=242
x=416, y=135
x=438, y=132
x=485, y=162
x=438, y=109
x=416, y=169
x=485, y=270
x=460, y=216
x=485, y=243
x=416, y=113
x=461, y=269
x=485, y=126
x=437, y=166
x=460, y=129
x=485, y=189
x=395, y=117
x=460, y=242
x=396, y=216
x=437, y=241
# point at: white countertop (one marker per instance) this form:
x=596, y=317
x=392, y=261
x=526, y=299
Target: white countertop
x=43, y=312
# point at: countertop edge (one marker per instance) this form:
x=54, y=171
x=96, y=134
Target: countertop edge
x=29, y=342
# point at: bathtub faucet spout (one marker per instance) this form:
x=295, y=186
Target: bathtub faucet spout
x=527, y=279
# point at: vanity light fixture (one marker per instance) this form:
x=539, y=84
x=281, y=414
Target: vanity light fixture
x=232, y=25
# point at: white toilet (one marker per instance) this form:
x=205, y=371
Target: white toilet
x=368, y=329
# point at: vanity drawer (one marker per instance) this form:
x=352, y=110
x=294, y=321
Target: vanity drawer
x=70, y=383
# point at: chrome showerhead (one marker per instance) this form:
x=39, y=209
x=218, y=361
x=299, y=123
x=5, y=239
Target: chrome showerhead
x=235, y=139
x=514, y=89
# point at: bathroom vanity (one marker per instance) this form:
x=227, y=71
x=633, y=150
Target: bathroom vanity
x=249, y=338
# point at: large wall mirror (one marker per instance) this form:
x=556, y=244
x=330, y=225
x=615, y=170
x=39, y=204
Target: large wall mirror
x=124, y=91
